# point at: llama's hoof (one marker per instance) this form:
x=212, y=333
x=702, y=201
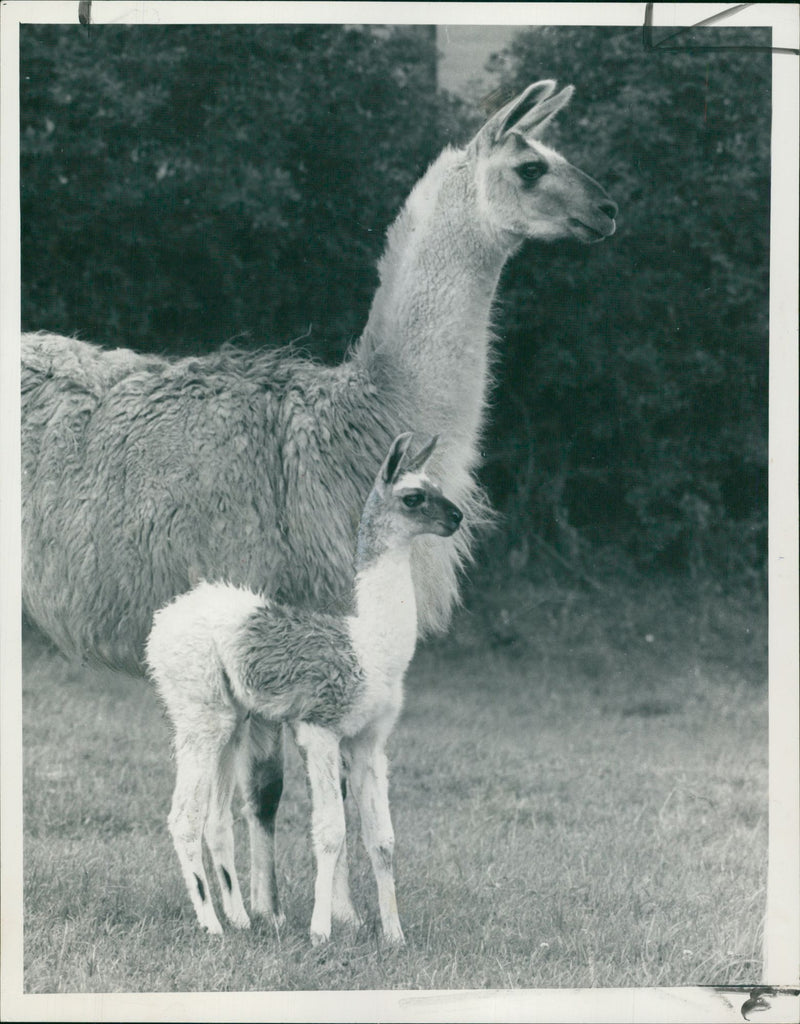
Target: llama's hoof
x=213, y=927
x=319, y=938
x=354, y=924
x=349, y=919
x=241, y=921
x=269, y=916
x=394, y=937
x=264, y=903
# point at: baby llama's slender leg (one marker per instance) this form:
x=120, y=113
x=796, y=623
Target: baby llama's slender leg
x=343, y=910
x=370, y=784
x=190, y=802
x=261, y=782
x=219, y=835
x=320, y=749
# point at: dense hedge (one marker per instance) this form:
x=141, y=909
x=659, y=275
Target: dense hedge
x=642, y=364
x=182, y=185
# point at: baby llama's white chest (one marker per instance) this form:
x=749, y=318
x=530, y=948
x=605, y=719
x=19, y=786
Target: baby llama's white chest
x=383, y=634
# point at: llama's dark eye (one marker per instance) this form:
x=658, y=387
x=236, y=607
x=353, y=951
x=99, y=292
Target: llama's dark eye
x=531, y=171
x=413, y=499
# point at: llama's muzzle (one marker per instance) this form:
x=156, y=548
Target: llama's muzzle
x=449, y=516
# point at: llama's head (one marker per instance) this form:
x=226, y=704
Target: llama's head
x=404, y=503
x=527, y=189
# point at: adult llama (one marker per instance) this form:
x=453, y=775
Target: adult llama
x=142, y=475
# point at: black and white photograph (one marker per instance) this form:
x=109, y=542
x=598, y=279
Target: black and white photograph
x=400, y=512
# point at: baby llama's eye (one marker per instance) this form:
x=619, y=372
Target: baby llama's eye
x=531, y=171
x=413, y=499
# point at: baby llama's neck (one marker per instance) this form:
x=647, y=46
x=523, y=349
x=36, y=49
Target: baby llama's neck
x=385, y=621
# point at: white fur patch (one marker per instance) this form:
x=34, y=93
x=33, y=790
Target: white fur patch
x=383, y=634
x=412, y=481
x=190, y=636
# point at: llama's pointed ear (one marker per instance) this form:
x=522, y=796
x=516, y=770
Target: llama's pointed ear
x=416, y=463
x=509, y=114
x=534, y=121
x=391, y=464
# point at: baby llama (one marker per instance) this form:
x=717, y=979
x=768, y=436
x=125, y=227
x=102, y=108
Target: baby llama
x=224, y=658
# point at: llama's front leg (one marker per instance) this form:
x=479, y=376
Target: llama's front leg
x=342, y=904
x=320, y=749
x=343, y=910
x=219, y=839
x=370, y=784
x=190, y=803
x=261, y=782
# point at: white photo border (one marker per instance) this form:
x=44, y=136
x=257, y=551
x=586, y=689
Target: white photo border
x=782, y=922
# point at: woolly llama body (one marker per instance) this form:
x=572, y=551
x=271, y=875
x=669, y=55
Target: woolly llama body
x=142, y=475
x=226, y=660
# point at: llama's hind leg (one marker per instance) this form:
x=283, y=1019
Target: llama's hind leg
x=219, y=837
x=261, y=782
x=190, y=802
x=320, y=749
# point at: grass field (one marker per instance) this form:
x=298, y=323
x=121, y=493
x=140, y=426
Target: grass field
x=579, y=795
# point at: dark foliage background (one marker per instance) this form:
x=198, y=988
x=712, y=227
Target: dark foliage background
x=186, y=185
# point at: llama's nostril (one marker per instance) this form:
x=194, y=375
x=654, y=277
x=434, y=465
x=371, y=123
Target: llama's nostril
x=609, y=208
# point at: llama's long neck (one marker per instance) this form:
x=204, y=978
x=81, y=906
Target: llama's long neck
x=432, y=311
x=384, y=627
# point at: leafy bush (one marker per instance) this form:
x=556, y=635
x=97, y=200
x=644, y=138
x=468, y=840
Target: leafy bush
x=185, y=184
x=635, y=380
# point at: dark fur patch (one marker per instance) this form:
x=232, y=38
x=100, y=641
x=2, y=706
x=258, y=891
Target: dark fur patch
x=200, y=888
x=297, y=664
x=266, y=795
x=227, y=878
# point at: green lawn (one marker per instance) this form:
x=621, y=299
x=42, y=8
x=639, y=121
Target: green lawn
x=568, y=814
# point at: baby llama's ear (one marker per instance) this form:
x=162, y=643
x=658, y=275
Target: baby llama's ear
x=416, y=462
x=392, y=462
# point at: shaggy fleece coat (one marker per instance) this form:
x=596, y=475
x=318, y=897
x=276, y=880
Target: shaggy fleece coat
x=143, y=475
